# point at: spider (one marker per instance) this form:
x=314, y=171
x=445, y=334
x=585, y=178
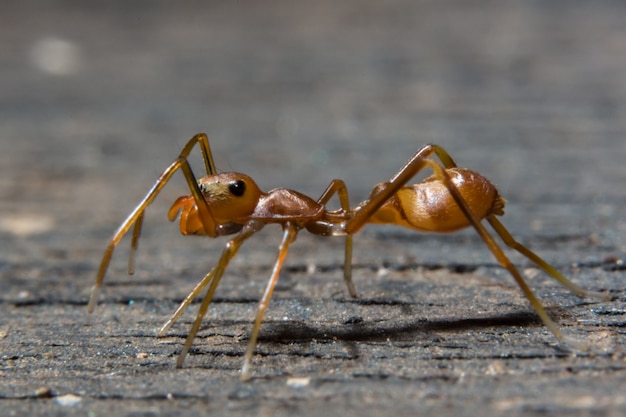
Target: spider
x=231, y=203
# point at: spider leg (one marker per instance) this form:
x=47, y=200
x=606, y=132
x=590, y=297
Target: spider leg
x=135, y=243
x=501, y=257
x=214, y=277
x=442, y=154
x=289, y=235
x=508, y=239
x=207, y=155
x=414, y=165
x=183, y=306
x=136, y=216
x=339, y=187
x=209, y=166
x=410, y=169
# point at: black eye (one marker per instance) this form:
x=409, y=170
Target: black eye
x=237, y=188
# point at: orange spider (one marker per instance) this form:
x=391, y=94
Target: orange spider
x=231, y=203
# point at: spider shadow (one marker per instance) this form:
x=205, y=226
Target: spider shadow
x=358, y=330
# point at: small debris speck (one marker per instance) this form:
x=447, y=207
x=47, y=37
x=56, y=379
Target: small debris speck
x=298, y=382
x=43, y=392
x=68, y=400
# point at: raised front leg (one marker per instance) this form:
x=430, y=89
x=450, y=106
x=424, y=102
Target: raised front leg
x=136, y=216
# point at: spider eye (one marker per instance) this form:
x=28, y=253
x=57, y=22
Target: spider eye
x=237, y=188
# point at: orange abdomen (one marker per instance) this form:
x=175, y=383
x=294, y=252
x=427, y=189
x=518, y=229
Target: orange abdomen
x=428, y=206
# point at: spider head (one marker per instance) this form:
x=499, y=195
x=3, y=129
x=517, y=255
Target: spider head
x=231, y=198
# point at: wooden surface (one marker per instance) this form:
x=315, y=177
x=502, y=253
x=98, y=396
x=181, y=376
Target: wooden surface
x=96, y=100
